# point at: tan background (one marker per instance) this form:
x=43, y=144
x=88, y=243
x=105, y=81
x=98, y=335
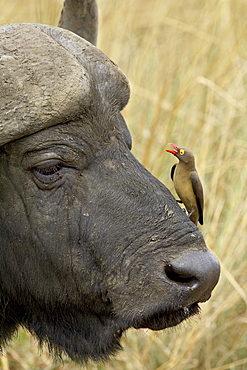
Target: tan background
x=187, y=65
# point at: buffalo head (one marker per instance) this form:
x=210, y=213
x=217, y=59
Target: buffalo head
x=91, y=243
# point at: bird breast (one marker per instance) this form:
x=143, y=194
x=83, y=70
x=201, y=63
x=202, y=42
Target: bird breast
x=183, y=187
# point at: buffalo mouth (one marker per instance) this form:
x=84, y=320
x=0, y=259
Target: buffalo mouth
x=165, y=319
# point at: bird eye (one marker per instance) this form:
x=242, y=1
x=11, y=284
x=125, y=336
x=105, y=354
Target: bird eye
x=181, y=152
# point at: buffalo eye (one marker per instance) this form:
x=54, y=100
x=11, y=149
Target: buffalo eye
x=48, y=171
x=49, y=174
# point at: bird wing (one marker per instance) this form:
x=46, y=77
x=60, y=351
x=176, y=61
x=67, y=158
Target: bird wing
x=173, y=170
x=198, y=191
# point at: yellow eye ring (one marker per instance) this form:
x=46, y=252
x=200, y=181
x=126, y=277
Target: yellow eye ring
x=181, y=152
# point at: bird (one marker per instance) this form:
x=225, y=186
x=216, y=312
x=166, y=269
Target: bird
x=187, y=183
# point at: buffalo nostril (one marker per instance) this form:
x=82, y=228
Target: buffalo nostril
x=197, y=270
x=180, y=277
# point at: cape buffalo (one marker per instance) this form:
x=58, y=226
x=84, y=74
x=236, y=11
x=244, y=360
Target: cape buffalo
x=91, y=243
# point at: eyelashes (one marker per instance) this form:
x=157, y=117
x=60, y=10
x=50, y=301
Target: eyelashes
x=48, y=171
x=50, y=174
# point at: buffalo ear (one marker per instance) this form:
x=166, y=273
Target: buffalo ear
x=81, y=17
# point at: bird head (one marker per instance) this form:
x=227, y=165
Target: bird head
x=183, y=154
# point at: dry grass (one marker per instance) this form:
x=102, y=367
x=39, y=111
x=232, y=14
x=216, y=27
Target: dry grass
x=187, y=66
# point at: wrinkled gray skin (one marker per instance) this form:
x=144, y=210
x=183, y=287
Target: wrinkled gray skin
x=91, y=243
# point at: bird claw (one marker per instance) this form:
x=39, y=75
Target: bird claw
x=189, y=214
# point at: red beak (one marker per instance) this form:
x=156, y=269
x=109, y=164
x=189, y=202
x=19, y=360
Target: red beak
x=175, y=152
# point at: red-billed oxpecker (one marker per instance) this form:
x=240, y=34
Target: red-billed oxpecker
x=187, y=183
